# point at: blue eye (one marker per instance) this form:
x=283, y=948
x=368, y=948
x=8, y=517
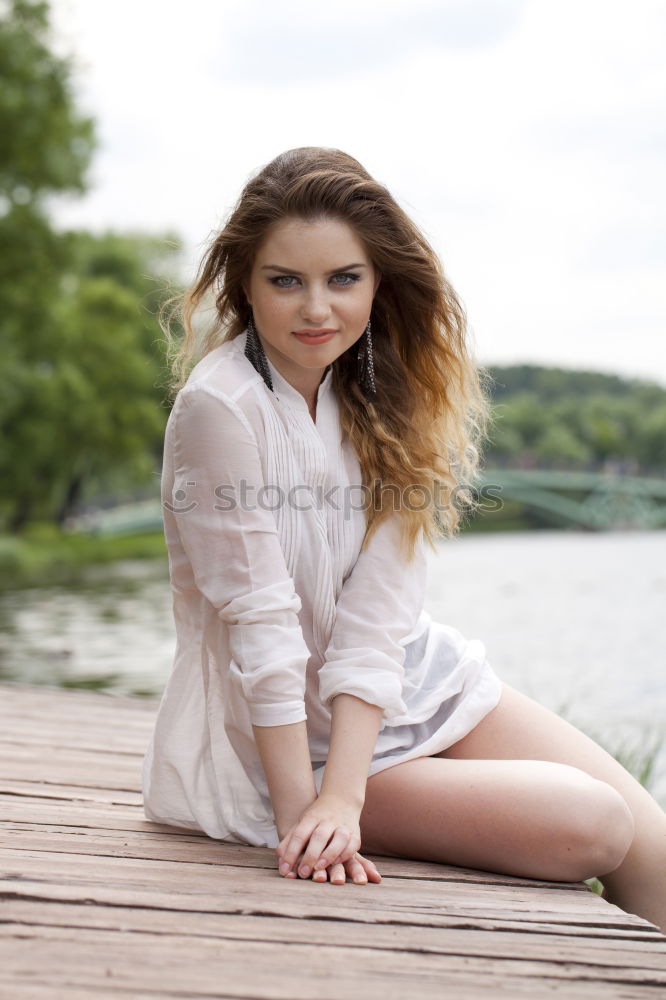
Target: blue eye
x=342, y=280
x=349, y=278
x=283, y=281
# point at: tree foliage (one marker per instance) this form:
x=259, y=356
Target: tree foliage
x=79, y=343
x=45, y=142
x=561, y=418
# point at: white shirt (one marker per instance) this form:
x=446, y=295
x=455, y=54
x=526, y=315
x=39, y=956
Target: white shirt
x=276, y=612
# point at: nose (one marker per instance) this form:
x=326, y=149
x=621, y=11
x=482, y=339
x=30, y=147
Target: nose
x=315, y=307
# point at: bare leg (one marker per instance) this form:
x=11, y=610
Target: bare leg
x=525, y=793
x=520, y=728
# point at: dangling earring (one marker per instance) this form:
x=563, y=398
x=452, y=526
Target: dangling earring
x=255, y=353
x=366, y=365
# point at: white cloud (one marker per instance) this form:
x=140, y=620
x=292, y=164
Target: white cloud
x=526, y=138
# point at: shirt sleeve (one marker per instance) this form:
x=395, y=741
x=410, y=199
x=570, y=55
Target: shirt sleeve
x=232, y=545
x=380, y=603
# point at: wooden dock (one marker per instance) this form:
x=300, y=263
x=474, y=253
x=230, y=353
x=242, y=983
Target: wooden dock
x=99, y=902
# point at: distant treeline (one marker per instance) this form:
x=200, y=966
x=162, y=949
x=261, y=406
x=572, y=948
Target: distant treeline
x=561, y=418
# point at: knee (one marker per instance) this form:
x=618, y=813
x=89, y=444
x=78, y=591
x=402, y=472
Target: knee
x=601, y=831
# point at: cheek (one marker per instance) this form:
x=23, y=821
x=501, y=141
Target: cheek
x=361, y=305
x=270, y=306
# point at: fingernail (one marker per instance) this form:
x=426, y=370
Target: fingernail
x=284, y=867
x=305, y=871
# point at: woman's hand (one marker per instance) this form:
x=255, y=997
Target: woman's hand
x=359, y=869
x=326, y=834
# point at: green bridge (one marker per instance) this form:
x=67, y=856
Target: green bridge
x=593, y=500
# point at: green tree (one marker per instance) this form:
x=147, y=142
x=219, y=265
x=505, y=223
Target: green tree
x=45, y=148
x=558, y=446
x=522, y=419
x=45, y=143
x=79, y=343
x=87, y=397
x=602, y=428
x=651, y=442
x=573, y=418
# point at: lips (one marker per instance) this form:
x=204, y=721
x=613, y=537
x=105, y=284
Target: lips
x=314, y=337
x=312, y=333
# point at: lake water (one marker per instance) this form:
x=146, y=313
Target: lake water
x=575, y=620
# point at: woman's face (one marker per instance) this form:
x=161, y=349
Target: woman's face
x=310, y=277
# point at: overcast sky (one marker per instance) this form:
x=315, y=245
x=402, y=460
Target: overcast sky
x=526, y=137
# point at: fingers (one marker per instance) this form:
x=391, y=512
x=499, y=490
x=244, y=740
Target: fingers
x=320, y=853
x=290, y=848
x=316, y=836
x=357, y=868
x=317, y=844
x=337, y=874
x=369, y=868
x=343, y=846
x=311, y=847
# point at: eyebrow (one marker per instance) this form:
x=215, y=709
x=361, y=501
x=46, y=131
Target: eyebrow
x=299, y=274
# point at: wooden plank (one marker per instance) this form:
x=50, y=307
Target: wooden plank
x=32, y=697
x=64, y=766
x=359, y=909
x=460, y=989
x=499, y=942
x=49, y=896
x=97, y=901
x=294, y=969
x=96, y=815
x=186, y=871
x=71, y=757
x=82, y=816
x=221, y=888
x=46, y=991
x=147, y=841
x=115, y=720
x=69, y=793
x=121, y=743
x=110, y=722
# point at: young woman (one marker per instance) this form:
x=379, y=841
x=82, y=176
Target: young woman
x=329, y=429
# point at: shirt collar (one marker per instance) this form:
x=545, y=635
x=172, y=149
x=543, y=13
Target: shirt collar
x=285, y=391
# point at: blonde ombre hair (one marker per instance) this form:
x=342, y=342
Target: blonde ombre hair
x=422, y=434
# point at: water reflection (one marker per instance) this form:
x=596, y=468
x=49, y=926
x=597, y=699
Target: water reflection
x=573, y=619
x=111, y=630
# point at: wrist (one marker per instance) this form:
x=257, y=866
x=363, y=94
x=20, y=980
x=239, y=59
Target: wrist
x=289, y=813
x=349, y=797
x=285, y=759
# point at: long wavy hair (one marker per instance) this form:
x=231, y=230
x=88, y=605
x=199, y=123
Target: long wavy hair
x=419, y=441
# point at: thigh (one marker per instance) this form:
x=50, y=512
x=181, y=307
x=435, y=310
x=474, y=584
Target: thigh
x=519, y=728
x=525, y=793
x=522, y=817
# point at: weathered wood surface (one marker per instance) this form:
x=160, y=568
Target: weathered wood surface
x=99, y=902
